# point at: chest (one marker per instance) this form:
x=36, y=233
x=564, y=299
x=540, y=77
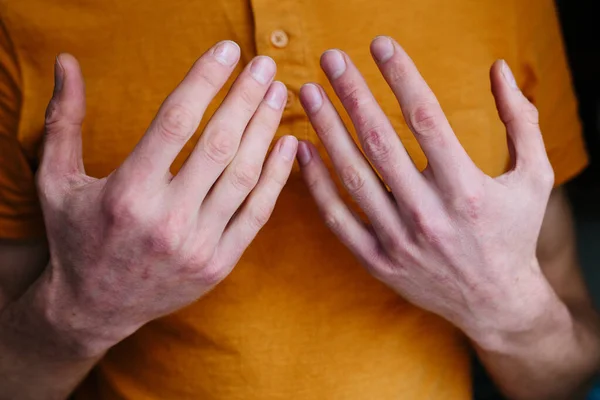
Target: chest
x=134, y=52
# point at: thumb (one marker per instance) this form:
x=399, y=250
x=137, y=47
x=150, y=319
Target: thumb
x=64, y=117
x=521, y=119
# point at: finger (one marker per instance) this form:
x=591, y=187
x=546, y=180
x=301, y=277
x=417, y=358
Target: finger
x=354, y=171
x=260, y=204
x=241, y=176
x=337, y=216
x=221, y=138
x=64, y=118
x=180, y=115
x=521, y=120
x=422, y=112
x=375, y=132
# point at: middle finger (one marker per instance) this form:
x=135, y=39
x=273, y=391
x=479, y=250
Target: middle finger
x=242, y=175
x=221, y=138
x=375, y=132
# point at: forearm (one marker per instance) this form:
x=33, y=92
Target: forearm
x=555, y=359
x=37, y=359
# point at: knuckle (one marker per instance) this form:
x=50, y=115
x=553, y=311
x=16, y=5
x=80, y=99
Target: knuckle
x=121, y=210
x=201, y=257
x=265, y=123
x=165, y=238
x=398, y=73
x=469, y=199
x=472, y=204
x=357, y=103
x=221, y=147
x=396, y=246
x=55, y=188
x=376, y=145
x=259, y=214
x=52, y=112
x=47, y=190
x=548, y=177
x=332, y=217
x=423, y=120
x=393, y=244
x=60, y=116
x=352, y=179
x=54, y=128
x=203, y=249
x=508, y=118
x=209, y=78
x=399, y=246
x=278, y=178
x=351, y=97
x=161, y=241
x=312, y=182
x=545, y=175
x=539, y=173
x=176, y=124
x=530, y=113
x=326, y=129
x=249, y=99
x=427, y=228
x=211, y=274
x=245, y=176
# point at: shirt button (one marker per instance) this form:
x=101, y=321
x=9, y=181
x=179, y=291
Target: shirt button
x=291, y=98
x=279, y=38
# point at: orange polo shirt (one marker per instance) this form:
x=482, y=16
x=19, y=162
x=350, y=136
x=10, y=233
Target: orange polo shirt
x=298, y=318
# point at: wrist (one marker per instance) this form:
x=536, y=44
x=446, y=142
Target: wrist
x=531, y=333
x=42, y=322
x=524, y=316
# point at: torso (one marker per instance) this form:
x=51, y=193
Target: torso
x=298, y=318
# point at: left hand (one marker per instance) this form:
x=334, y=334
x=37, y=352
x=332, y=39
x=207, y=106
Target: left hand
x=451, y=239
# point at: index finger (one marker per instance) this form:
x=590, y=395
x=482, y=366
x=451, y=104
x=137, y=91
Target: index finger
x=181, y=113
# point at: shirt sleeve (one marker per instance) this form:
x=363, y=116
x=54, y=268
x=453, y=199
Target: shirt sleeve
x=546, y=81
x=20, y=214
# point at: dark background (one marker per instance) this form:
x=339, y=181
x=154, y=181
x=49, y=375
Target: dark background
x=581, y=29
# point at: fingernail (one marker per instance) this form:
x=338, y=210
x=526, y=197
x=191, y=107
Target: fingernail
x=508, y=75
x=275, y=96
x=311, y=97
x=288, y=148
x=227, y=53
x=333, y=63
x=262, y=69
x=59, y=75
x=304, y=153
x=382, y=49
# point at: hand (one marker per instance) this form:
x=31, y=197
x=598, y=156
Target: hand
x=450, y=239
x=141, y=243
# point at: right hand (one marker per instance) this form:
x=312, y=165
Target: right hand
x=141, y=243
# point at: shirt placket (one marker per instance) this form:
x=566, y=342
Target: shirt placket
x=279, y=34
